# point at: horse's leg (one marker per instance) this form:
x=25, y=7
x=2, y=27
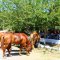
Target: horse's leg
x=3, y=49
x=32, y=44
x=9, y=50
x=20, y=50
x=27, y=51
x=33, y=47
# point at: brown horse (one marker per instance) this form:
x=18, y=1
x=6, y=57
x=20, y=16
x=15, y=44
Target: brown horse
x=35, y=37
x=15, y=38
x=6, y=42
x=22, y=39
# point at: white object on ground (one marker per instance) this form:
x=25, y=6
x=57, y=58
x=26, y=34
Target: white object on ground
x=48, y=47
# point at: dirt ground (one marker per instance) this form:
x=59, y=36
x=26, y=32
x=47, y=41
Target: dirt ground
x=36, y=54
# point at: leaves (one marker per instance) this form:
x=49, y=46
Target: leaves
x=22, y=15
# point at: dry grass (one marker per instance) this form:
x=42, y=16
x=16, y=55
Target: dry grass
x=38, y=54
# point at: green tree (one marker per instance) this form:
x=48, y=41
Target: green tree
x=29, y=15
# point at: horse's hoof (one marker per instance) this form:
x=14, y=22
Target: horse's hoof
x=27, y=54
x=4, y=57
x=20, y=54
x=10, y=55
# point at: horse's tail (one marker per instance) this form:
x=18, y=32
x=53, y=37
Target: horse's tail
x=2, y=41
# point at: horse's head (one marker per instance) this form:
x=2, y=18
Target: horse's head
x=35, y=37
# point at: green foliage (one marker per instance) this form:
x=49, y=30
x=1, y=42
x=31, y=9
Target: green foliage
x=29, y=15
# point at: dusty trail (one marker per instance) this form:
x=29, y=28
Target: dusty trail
x=36, y=54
